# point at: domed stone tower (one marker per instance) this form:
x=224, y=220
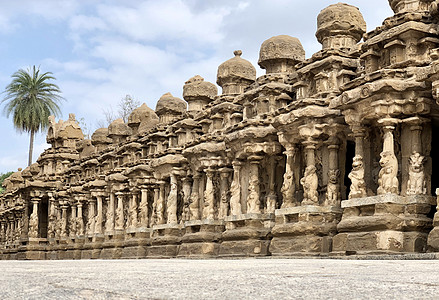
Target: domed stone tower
x=198, y=93
x=280, y=54
x=100, y=139
x=403, y=6
x=169, y=108
x=235, y=74
x=340, y=26
x=118, y=131
x=142, y=117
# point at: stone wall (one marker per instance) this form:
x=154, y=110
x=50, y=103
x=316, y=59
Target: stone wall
x=331, y=155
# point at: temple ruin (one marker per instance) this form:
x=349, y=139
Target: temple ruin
x=331, y=155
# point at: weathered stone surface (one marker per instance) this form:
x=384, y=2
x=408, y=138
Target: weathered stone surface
x=330, y=155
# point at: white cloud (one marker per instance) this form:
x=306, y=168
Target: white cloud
x=164, y=20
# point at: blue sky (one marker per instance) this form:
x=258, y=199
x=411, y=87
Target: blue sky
x=100, y=51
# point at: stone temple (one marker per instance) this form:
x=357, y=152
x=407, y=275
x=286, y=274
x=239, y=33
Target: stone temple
x=331, y=155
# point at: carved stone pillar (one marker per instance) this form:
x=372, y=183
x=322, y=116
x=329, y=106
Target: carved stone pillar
x=2, y=231
x=143, y=208
x=172, y=201
x=120, y=221
x=72, y=221
x=79, y=221
x=289, y=186
x=12, y=226
x=33, y=220
x=388, y=181
x=154, y=220
x=253, y=198
x=64, y=221
x=235, y=189
x=99, y=217
x=186, y=199
x=133, y=210
x=19, y=226
x=161, y=204
x=7, y=231
x=59, y=222
x=91, y=222
x=333, y=187
x=310, y=181
x=416, y=183
x=195, y=197
x=109, y=224
x=52, y=222
x=358, y=185
x=224, y=193
x=271, y=193
x=209, y=196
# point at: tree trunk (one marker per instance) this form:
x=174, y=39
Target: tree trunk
x=31, y=147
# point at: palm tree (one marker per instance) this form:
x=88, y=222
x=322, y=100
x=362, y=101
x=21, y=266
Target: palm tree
x=31, y=99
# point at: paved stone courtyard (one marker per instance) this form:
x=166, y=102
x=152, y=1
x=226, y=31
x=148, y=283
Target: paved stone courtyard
x=220, y=279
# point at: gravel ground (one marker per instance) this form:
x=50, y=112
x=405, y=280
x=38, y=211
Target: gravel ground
x=220, y=279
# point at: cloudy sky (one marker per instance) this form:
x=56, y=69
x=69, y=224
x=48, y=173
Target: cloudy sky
x=100, y=51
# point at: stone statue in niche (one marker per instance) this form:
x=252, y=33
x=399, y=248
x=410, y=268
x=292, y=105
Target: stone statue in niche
x=133, y=214
x=358, y=186
x=224, y=206
x=271, y=203
x=253, y=194
x=110, y=220
x=186, y=191
x=79, y=226
x=33, y=225
x=416, y=184
x=310, y=182
x=172, y=204
x=333, y=188
x=143, y=212
x=72, y=226
x=235, y=192
x=288, y=189
x=51, y=227
x=194, y=205
x=387, y=178
x=120, y=220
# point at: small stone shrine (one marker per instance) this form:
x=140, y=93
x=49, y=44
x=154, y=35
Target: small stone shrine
x=331, y=155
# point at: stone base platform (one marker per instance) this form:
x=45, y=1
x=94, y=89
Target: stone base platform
x=165, y=240
x=384, y=224
x=247, y=235
x=201, y=238
x=304, y=230
x=112, y=245
x=136, y=243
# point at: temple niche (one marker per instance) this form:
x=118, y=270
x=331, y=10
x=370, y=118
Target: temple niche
x=329, y=155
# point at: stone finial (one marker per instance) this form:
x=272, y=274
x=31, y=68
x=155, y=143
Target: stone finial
x=118, y=131
x=100, y=135
x=280, y=54
x=403, y=6
x=142, y=116
x=198, y=93
x=169, y=108
x=235, y=74
x=340, y=26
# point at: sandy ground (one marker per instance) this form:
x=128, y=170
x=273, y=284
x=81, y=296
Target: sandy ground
x=220, y=279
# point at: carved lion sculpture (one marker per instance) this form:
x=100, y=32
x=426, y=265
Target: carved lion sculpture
x=358, y=186
x=310, y=183
x=387, y=177
x=416, y=184
x=333, y=188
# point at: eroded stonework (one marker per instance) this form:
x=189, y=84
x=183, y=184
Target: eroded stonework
x=331, y=155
